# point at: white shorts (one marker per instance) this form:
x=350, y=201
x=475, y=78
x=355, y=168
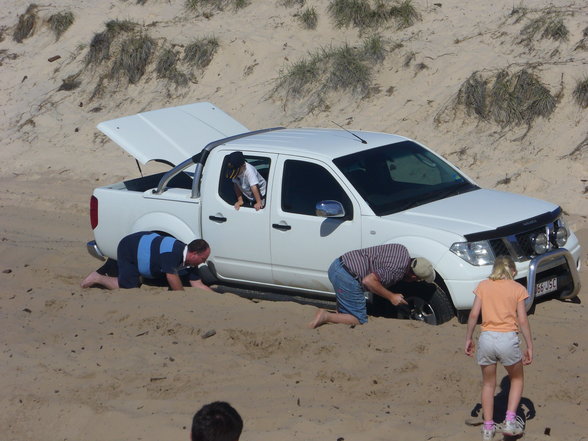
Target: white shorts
x=503, y=347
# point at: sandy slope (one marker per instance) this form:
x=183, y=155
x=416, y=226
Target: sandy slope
x=89, y=364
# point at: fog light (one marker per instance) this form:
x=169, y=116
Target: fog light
x=540, y=243
x=561, y=237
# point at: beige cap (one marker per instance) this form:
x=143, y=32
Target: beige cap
x=423, y=269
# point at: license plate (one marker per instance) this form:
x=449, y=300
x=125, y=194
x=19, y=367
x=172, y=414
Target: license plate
x=546, y=287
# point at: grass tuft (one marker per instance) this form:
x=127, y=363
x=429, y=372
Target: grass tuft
x=100, y=45
x=167, y=68
x=292, y=3
x=361, y=14
x=60, y=22
x=351, y=12
x=503, y=105
x=472, y=95
x=348, y=71
x=309, y=18
x=26, y=24
x=550, y=25
x=581, y=93
x=201, y=52
x=405, y=13
x=133, y=57
x=344, y=68
x=511, y=100
x=70, y=83
x=374, y=49
x=194, y=5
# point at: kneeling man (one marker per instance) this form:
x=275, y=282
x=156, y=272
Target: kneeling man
x=373, y=269
x=152, y=256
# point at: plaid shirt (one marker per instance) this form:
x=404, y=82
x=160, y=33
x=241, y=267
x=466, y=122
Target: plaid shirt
x=388, y=262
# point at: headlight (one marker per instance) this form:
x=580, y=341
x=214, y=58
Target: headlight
x=540, y=243
x=476, y=253
x=560, y=234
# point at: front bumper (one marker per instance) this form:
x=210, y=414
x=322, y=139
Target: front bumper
x=554, y=265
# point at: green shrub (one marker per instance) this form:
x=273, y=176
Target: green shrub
x=581, y=93
x=472, y=95
x=70, y=83
x=194, y=5
x=309, y=18
x=348, y=71
x=26, y=24
x=201, y=52
x=299, y=76
x=133, y=57
x=511, y=100
x=352, y=12
x=405, y=13
x=99, y=50
x=374, y=49
x=167, y=68
x=344, y=68
x=361, y=14
x=60, y=22
x=292, y=3
x=550, y=25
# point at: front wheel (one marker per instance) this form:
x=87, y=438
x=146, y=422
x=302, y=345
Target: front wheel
x=426, y=303
x=434, y=308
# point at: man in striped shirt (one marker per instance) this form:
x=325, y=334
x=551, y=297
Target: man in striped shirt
x=373, y=269
x=148, y=255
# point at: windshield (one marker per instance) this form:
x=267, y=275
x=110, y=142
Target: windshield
x=399, y=176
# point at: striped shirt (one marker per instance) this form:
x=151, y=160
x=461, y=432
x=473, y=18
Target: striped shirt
x=388, y=262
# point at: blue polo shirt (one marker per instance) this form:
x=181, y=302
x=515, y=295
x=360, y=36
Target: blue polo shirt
x=151, y=256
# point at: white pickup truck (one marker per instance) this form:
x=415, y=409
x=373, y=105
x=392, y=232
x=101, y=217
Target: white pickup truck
x=328, y=191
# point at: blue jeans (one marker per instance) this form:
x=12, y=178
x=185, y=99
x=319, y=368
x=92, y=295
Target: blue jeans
x=348, y=291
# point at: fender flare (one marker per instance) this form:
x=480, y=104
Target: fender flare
x=165, y=223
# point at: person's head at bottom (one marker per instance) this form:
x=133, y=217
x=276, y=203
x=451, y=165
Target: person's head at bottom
x=217, y=421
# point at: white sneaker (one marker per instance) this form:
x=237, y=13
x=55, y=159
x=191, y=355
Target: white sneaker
x=513, y=427
x=488, y=434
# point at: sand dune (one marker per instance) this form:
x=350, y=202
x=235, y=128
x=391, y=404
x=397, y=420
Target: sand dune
x=91, y=364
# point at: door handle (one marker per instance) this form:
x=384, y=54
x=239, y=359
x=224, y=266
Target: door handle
x=219, y=219
x=281, y=227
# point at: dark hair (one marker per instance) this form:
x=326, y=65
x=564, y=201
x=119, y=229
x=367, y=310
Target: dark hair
x=198, y=246
x=217, y=421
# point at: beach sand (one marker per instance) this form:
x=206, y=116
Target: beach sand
x=133, y=365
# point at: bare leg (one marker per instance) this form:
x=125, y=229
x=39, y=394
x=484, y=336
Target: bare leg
x=517, y=380
x=323, y=316
x=94, y=278
x=488, y=389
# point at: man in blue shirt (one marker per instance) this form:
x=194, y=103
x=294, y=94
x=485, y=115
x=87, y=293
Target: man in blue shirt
x=150, y=255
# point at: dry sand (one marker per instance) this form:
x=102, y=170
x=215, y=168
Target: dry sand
x=98, y=365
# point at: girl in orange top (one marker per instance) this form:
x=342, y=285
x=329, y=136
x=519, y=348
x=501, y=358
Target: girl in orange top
x=501, y=301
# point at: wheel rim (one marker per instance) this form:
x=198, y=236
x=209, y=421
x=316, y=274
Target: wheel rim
x=419, y=310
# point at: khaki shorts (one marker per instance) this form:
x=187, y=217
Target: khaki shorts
x=503, y=347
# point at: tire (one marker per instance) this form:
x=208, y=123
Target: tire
x=208, y=274
x=426, y=302
x=434, y=309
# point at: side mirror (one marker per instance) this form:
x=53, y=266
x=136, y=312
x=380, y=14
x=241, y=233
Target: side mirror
x=329, y=209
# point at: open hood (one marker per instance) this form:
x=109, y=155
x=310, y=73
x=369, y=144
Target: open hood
x=171, y=135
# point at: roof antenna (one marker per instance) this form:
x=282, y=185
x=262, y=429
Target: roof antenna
x=363, y=141
x=139, y=166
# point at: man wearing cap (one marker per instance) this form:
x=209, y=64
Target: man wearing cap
x=373, y=269
x=246, y=181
